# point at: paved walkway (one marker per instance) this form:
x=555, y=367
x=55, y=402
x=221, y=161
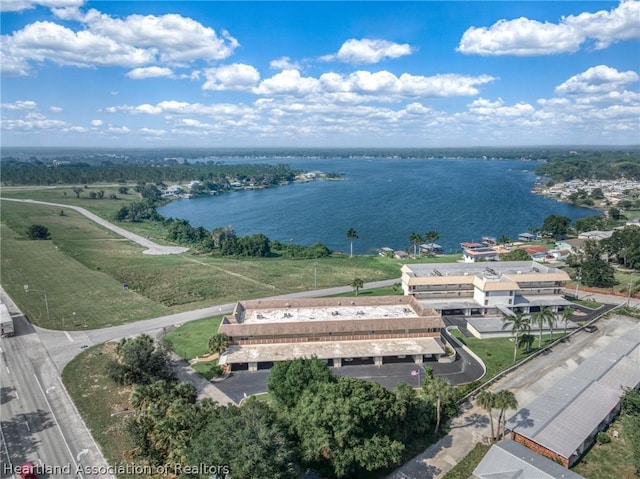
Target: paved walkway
x=186, y=373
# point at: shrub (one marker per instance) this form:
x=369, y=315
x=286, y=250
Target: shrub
x=603, y=438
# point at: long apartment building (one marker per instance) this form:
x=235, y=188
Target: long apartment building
x=485, y=288
x=338, y=330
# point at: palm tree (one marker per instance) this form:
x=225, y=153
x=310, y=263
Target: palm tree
x=218, y=343
x=550, y=317
x=519, y=324
x=487, y=400
x=504, y=400
x=539, y=320
x=356, y=284
x=352, y=235
x=432, y=236
x=525, y=341
x=415, y=238
x=567, y=313
x=439, y=391
x=504, y=239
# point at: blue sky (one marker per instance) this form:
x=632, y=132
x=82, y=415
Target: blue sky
x=320, y=74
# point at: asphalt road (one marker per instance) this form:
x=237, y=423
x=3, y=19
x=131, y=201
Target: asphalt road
x=38, y=420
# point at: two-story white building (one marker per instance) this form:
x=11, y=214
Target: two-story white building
x=500, y=287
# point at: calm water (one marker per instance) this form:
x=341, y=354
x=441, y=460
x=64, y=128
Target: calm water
x=384, y=200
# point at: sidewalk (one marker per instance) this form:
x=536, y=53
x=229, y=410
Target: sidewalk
x=466, y=431
x=186, y=373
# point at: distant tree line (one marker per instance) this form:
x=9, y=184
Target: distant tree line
x=605, y=165
x=212, y=175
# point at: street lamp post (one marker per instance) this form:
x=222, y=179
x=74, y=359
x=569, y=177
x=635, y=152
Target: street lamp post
x=578, y=278
x=46, y=301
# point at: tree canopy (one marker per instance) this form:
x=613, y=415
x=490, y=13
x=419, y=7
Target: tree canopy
x=38, y=232
x=347, y=427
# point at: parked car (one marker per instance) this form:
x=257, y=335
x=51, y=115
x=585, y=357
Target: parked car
x=592, y=328
x=28, y=471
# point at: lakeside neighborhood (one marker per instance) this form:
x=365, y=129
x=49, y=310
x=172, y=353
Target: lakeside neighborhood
x=446, y=301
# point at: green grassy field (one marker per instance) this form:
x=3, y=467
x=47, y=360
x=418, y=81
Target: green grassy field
x=497, y=353
x=83, y=267
x=191, y=340
x=609, y=461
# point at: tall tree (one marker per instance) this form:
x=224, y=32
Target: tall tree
x=247, y=442
x=289, y=379
x=567, y=314
x=550, y=318
x=356, y=284
x=352, y=235
x=440, y=392
x=540, y=320
x=432, y=236
x=346, y=428
x=218, y=343
x=519, y=324
x=556, y=226
x=415, y=239
x=38, y=232
x=487, y=401
x=505, y=400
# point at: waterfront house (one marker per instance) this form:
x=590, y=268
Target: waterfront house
x=430, y=248
x=526, y=237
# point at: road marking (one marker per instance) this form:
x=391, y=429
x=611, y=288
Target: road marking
x=69, y=337
x=50, y=388
x=58, y=424
x=73, y=405
x=81, y=453
x=8, y=372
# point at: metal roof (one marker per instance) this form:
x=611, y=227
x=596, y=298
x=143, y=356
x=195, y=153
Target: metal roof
x=565, y=415
x=510, y=460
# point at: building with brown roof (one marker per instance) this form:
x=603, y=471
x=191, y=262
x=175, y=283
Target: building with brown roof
x=333, y=329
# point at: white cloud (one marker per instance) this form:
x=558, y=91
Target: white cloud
x=20, y=105
x=118, y=129
x=141, y=73
x=96, y=123
x=369, y=50
x=283, y=63
x=287, y=82
x=485, y=107
x=600, y=79
x=135, y=41
x=56, y=109
x=176, y=39
x=237, y=76
x=19, y=5
x=526, y=37
x=42, y=41
x=362, y=86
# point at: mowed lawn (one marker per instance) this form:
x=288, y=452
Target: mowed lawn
x=82, y=269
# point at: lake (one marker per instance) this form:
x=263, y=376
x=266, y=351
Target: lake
x=384, y=200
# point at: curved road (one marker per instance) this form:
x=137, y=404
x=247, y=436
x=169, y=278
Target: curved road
x=152, y=248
